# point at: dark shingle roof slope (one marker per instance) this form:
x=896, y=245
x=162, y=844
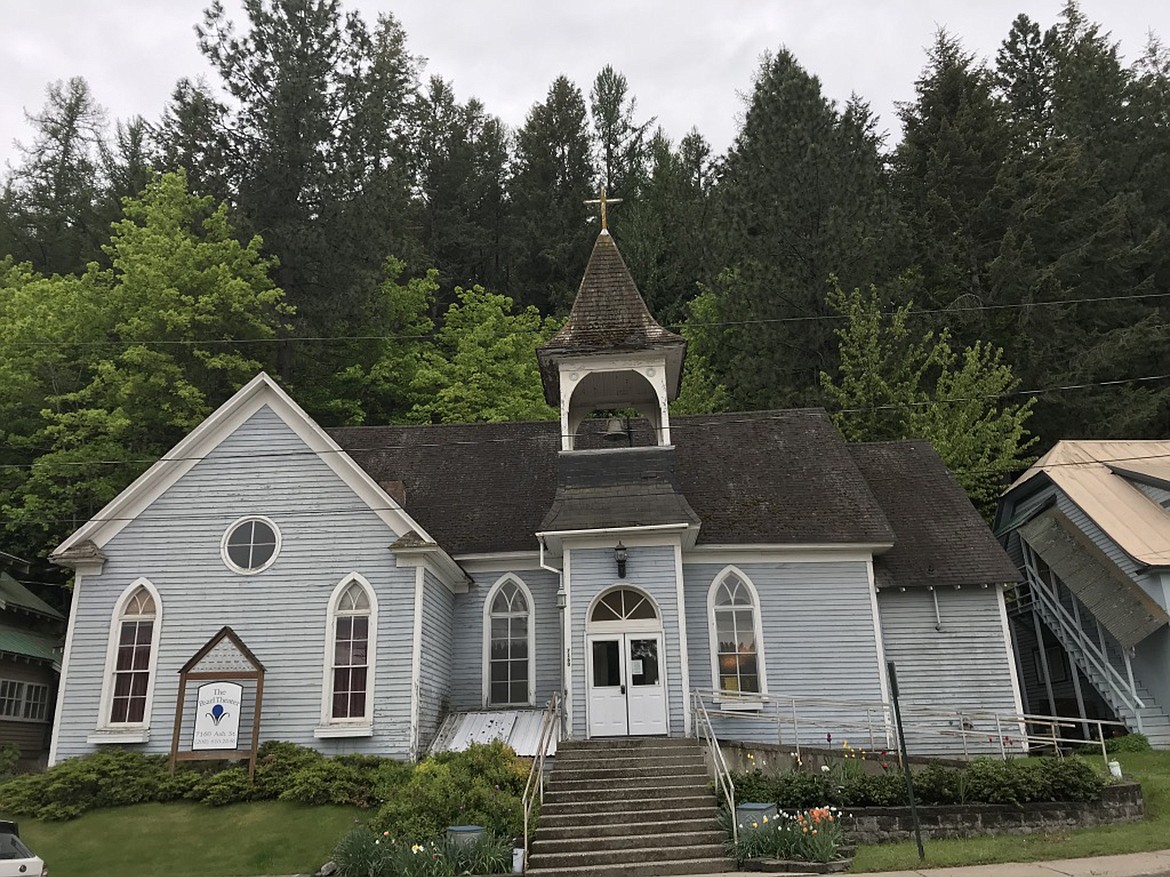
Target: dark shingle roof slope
x=940, y=539
x=617, y=487
x=775, y=477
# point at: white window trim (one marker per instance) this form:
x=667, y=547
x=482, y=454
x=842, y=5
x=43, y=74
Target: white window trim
x=223, y=545
x=744, y=701
x=128, y=732
x=487, y=640
x=363, y=726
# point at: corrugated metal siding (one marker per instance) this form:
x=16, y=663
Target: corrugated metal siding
x=964, y=666
x=1160, y=495
x=651, y=569
x=1124, y=609
x=467, y=670
x=819, y=637
x=263, y=468
x=435, y=668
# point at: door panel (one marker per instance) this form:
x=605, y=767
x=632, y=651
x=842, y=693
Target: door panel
x=607, y=691
x=626, y=690
x=646, y=700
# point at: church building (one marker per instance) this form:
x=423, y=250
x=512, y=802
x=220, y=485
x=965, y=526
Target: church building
x=376, y=581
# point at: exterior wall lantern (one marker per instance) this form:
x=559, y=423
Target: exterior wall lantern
x=562, y=597
x=620, y=554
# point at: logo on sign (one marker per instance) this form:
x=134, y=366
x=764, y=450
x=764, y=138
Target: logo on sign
x=217, y=716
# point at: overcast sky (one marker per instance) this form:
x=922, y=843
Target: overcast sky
x=687, y=61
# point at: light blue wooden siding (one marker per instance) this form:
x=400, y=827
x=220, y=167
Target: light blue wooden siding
x=263, y=468
x=966, y=665
x=1151, y=666
x=467, y=672
x=819, y=638
x=651, y=569
x=436, y=660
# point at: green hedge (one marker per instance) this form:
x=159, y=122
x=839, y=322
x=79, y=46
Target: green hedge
x=482, y=786
x=983, y=781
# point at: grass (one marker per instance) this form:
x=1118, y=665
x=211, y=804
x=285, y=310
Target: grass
x=1151, y=769
x=191, y=840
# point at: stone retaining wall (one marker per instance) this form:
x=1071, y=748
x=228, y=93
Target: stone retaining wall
x=1119, y=803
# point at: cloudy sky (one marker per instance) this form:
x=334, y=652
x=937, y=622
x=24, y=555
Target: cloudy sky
x=687, y=61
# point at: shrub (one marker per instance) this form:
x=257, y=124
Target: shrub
x=230, y=786
x=482, y=786
x=9, y=758
x=1129, y=743
x=984, y=781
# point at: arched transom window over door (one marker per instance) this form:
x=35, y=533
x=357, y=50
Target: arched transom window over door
x=624, y=604
x=509, y=645
x=735, y=635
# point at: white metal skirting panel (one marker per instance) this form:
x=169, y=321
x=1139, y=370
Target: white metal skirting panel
x=520, y=729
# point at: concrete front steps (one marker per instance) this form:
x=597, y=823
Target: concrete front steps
x=629, y=807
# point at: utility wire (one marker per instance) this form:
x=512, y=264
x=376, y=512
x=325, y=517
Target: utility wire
x=809, y=318
x=551, y=437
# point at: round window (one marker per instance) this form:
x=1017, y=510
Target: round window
x=250, y=545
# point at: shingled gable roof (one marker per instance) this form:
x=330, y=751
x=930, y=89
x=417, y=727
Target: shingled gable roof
x=939, y=537
x=608, y=315
x=770, y=477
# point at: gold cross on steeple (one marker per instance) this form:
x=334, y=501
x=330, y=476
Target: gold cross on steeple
x=603, y=201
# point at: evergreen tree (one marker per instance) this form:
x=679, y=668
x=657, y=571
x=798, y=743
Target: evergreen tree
x=551, y=180
x=621, y=140
x=51, y=214
x=803, y=194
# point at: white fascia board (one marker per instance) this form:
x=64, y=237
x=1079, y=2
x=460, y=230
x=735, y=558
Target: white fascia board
x=650, y=534
x=258, y=392
x=810, y=553
x=502, y=561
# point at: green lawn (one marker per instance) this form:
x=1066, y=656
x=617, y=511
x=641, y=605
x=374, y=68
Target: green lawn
x=191, y=840
x=1151, y=769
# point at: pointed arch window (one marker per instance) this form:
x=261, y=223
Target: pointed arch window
x=508, y=643
x=350, y=649
x=131, y=661
x=736, y=639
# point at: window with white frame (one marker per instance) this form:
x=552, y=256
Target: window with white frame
x=350, y=658
x=736, y=640
x=250, y=545
x=508, y=642
x=133, y=658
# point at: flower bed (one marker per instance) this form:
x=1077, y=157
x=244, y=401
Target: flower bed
x=813, y=836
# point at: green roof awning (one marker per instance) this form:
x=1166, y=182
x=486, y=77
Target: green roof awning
x=14, y=595
x=27, y=644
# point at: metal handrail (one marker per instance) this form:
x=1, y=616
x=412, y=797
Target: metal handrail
x=706, y=735
x=1093, y=653
x=534, y=787
x=1017, y=731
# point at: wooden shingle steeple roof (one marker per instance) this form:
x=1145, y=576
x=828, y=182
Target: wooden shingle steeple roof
x=608, y=316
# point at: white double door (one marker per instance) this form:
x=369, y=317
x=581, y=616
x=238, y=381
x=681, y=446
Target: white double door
x=626, y=684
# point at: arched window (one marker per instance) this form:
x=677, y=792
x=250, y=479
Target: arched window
x=508, y=644
x=131, y=657
x=350, y=647
x=736, y=640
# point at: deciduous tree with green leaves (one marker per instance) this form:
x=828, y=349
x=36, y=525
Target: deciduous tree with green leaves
x=893, y=383
x=483, y=366
x=100, y=373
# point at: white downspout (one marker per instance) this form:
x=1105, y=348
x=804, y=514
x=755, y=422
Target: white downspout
x=562, y=597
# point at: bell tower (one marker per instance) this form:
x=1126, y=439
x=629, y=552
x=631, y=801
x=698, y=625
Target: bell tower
x=611, y=353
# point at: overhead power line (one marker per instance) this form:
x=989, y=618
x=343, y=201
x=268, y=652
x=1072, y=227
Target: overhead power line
x=348, y=339
x=676, y=426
